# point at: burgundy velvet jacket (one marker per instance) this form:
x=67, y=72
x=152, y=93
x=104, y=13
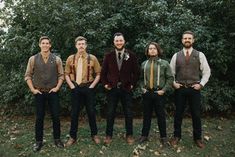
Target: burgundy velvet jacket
x=128, y=74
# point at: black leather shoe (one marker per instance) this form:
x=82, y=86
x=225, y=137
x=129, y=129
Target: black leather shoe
x=164, y=142
x=37, y=146
x=59, y=143
x=143, y=139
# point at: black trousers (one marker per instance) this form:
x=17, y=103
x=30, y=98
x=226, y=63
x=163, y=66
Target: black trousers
x=83, y=96
x=113, y=97
x=53, y=102
x=193, y=98
x=153, y=101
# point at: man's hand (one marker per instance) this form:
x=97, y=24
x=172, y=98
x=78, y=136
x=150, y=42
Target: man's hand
x=36, y=91
x=177, y=85
x=54, y=90
x=160, y=92
x=72, y=86
x=144, y=90
x=107, y=87
x=197, y=86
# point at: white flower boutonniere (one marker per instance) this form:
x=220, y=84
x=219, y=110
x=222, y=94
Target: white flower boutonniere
x=126, y=56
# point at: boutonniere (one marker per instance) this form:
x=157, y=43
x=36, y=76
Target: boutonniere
x=126, y=56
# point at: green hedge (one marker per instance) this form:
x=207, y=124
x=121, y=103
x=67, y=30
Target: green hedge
x=141, y=21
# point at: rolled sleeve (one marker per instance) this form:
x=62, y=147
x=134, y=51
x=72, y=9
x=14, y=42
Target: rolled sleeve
x=60, y=68
x=205, y=68
x=97, y=67
x=29, y=70
x=67, y=69
x=172, y=65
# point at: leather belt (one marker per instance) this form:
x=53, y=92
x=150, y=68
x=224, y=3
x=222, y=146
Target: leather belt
x=43, y=89
x=153, y=89
x=188, y=85
x=84, y=84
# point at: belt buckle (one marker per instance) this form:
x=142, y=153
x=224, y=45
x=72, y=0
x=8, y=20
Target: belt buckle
x=44, y=90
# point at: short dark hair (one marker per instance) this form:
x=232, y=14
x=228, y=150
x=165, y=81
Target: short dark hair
x=118, y=34
x=44, y=37
x=159, y=49
x=188, y=32
x=79, y=38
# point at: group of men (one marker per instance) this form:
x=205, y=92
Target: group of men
x=188, y=72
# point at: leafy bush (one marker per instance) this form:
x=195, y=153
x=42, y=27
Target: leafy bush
x=141, y=22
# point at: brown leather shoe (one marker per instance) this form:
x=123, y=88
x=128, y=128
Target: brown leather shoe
x=70, y=142
x=200, y=144
x=174, y=141
x=96, y=139
x=107, y=140
x=130, y=140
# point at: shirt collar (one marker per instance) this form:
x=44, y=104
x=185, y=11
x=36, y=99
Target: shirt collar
x=156, y=58
x=122, y=51
x=84, y=55
x=189, y=50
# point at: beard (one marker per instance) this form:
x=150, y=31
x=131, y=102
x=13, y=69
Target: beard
x=187, y=45
x=119, y=49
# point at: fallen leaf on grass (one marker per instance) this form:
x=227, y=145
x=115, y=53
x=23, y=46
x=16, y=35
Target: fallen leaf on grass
x=156, y=153
x=135, y=152
x=141, y=147
x=18, y=146
x=101, y=152
x=219, y=127
x=15, y=132
x=155, y=130
x=103, y=148
x=178, y=150
x=207, y=138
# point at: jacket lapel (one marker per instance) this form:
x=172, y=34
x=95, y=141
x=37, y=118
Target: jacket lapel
x=124, y=61
x=114, y=59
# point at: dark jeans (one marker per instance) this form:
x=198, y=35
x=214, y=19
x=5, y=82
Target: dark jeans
x=153, y=101
x=193, y=98
x=53, y=102
x=80, y=96
x=113, y=97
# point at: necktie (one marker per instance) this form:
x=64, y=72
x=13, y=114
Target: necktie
x=119, y=55
x=79, y=71
x=187, y=57
x=151, y=75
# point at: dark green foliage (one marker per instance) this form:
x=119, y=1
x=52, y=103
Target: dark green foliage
x=141, y=21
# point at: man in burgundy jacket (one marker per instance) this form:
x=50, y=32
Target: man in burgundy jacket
x=119, y=75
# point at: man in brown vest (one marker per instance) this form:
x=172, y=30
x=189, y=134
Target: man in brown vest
x=44, y=76
x=191, y=72
x=80, y=70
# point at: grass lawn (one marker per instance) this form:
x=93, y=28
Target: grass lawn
x=17, y=138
